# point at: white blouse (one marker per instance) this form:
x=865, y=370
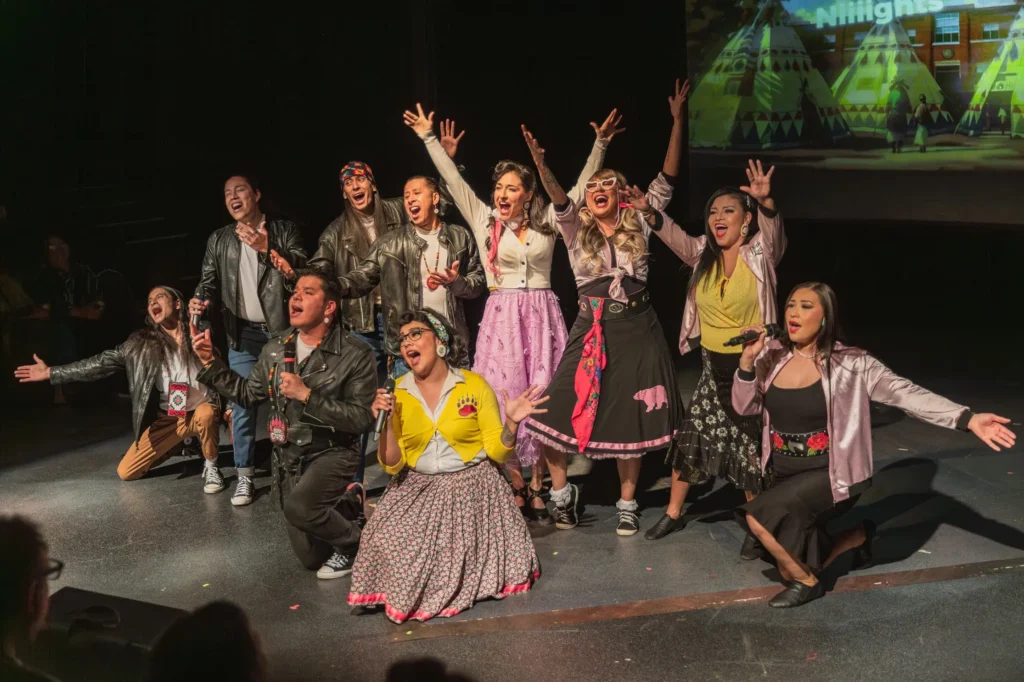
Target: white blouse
x=521, y=265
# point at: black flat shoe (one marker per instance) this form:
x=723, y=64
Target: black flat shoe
x=797, y=594
x=524, y=495
x=752, y=548
x=664, y=526
x=864, y=556
x=542, y=516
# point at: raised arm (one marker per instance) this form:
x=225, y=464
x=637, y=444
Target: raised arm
x=469, y=204
x=674, y=155
x=683, y=245
x=772, y=234
x=555, y=192
x=90, y=369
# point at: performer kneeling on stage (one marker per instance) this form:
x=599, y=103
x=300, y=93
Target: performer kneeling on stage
x=165, y=394
x=816, y=445
x=445, y=533
x=320, y=381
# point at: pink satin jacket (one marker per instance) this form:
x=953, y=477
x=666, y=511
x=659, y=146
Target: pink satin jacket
x=857, y=379
x=761, y=254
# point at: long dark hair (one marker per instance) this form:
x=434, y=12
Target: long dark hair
x=711, y=260
x=831, y=332
x=534, y=216
x=458, y=353
x=156, y=346
x=215, y=642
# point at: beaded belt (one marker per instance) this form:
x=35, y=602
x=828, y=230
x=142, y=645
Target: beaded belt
x=800, y=444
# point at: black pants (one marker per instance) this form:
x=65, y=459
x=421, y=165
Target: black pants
x=321, y=517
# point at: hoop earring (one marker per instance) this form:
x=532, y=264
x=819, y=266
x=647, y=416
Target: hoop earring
x=442, y=350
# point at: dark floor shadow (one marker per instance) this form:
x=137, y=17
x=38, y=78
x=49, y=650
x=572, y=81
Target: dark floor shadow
x=712, y=506
x=423, y=670
x=602, y=482
x=907, y=511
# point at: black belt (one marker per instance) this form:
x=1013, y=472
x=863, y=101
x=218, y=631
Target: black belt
x=258, y=326
x=635, y=304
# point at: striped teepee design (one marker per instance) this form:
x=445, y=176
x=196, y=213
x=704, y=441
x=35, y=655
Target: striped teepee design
x=1001, y=86
x=883, y=61
x=762, y=92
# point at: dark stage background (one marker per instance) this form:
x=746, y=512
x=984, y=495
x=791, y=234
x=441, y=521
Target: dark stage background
x=122, y=122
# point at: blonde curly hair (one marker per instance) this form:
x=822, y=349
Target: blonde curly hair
x=628, y=236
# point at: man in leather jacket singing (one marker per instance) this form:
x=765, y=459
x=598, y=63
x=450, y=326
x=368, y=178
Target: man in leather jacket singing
x=166, y=397
x=247, y=268
x=320, y=381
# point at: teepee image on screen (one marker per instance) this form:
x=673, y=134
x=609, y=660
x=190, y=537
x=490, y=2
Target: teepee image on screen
x=763, y=92
x=880, y=89
x=1001, y=87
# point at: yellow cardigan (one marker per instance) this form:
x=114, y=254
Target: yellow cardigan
x=470, y=421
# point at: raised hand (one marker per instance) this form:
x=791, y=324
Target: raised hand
x=535, y=149
x=421, y=123
x=760, y=187
x=676, y=101
x=525, y=405
x=638, y=199
x=989, y=428
x=281, y=264
x=449, y=140
x=444, y=277
x=257, y=238
x=752, y=349
x=40, y=371
x=202, y=343
x=609, y=129
x=293, y=388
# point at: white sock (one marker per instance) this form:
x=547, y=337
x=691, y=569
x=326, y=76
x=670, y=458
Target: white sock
x=561, y=497
x=627, y=505
x=211, y=463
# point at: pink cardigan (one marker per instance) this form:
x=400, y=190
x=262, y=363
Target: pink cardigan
x=761, y=254
x=857, y=378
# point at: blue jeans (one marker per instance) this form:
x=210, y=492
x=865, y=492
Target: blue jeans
x=398, y=368
x=243, y=421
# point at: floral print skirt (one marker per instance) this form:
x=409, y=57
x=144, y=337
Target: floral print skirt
x=437, y=543
x=714, y=440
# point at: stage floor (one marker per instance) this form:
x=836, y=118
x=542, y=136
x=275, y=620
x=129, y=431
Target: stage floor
x=943, y=603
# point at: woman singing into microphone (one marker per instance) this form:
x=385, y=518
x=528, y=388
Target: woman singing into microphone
x=445, y=533
x=732, y=287
x=813, y=395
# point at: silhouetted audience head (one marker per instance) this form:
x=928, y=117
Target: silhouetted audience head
x=25, y=567
x=213, y=643
x=423, y=670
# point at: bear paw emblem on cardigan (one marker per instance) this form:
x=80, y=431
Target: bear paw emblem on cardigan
x=467, y=406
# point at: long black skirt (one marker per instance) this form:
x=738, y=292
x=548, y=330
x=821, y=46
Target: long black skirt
x=639, y=408
x=716, y=441
x=798, y=506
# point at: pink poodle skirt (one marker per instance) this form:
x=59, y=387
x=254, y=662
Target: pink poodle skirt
x=521, y=340
x=438, y=543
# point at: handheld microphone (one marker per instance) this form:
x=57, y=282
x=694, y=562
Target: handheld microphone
x=201, y=295
x=288, y=362
x=382, y=416
x=772, y=331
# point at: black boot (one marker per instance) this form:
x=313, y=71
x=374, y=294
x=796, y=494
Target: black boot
x=665, y=526
x=864, y=556
x=541, y=516
x=797, y=594
x=752, y=548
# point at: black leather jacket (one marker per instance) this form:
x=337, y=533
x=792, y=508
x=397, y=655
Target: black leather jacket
x=343, y=246
x=342, y=374
x=219, y=277
x=401, y=288
x=131, y=358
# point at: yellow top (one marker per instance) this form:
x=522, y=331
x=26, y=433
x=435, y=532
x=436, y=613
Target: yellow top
x=469, y=422
x=726, y=306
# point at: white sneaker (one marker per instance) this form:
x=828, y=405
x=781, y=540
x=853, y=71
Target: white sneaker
x=213, y=480
x=243, y=492
x=338, y=566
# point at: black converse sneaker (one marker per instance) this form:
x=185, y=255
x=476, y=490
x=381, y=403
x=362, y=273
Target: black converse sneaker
x=566, y=517
x=338, y=566
x=629, y=522
x=213, y=480
x=243, y=492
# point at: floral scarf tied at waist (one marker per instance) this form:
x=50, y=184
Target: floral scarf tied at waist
x=587, y=383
